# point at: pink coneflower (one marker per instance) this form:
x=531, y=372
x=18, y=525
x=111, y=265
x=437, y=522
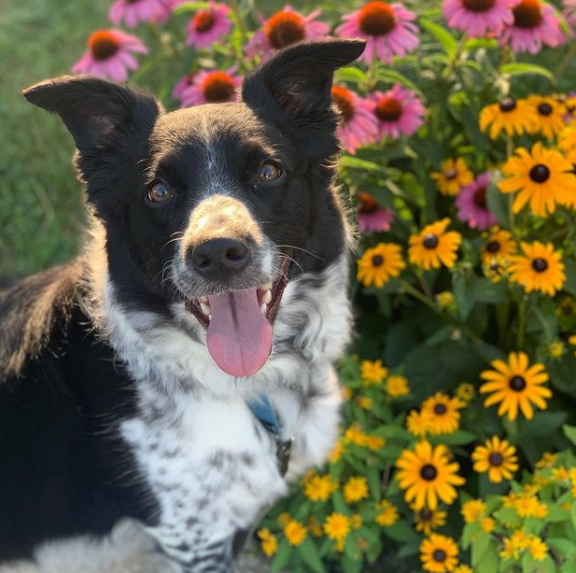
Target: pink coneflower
x=535, y=23
x=399, y=112
x=282, y=29
x=109, y=55
x=183, y=84
x=132, y=12
x=358, y=124
x=209, y=26
x=387, y=28
x=471, y=204
x=477, y=17
x=371, y=217
x=569, y=11
x=211, y=87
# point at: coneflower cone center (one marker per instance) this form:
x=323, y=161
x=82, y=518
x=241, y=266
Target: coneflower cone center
x=203, y=21
x=377, y=18
x=480, y=197
x=478, y=5
x=103, y=45
x=528, y=14
x=345, y=103
x=388, y=109
x=218, y=87
x=366, y=204
x=284, y=28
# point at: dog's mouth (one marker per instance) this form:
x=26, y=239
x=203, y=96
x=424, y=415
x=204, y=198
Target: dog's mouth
x=239, y=324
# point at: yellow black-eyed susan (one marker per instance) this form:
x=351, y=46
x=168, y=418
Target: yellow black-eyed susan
x=427, y=520
x=379, y=264
x=427, y=475
x=454, y=175
x=567, y=138
x=541, y=177
x=514, y=116
x=439, y=554
x=516, y=385
x=497, y=457
x=433, y=246
x=539, y=268
x=443, y=413
x=498, y=245
x=549, y=115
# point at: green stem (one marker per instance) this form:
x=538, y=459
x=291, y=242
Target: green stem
x=234, y=6
x=570, y=54
x=509, y=153
x=420, y=296
x=521, y=334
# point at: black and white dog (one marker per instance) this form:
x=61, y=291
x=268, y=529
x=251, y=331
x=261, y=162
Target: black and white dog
x=165, y=375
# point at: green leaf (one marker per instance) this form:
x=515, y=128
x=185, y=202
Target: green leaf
x=488, y=292
x=458, y=438
x=403, y=532
x=350, y=565
x=191, y=7
x=447, y=41
x=462, y=289
x=489, y=561
x=570, y=284
x=357, y=163
x=351, y=74
x=498, y=204
x=480, y=545
x=310, y=555
x=564, y=546
x=282, y=556
x=523, y=69
x=395, y=77
x=570, y=432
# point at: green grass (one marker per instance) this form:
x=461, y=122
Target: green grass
x=41, y=203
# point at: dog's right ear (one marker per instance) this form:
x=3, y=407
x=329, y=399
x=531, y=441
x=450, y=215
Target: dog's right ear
x=100, y=115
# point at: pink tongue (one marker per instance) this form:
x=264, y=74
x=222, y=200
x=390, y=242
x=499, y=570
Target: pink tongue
x=239, y=337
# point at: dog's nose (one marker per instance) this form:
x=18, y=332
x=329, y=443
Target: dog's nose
x=219, y=259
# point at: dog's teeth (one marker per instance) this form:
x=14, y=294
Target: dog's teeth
x=203, y=299
x=205, y=309
x=267, y=297
x=267, y=286
x=263, y=308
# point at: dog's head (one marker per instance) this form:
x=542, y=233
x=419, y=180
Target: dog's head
x=221, y=204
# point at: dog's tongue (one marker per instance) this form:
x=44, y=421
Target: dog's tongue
x=239, y=337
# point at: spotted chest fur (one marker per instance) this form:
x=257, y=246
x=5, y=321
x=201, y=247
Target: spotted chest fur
x=209, y=463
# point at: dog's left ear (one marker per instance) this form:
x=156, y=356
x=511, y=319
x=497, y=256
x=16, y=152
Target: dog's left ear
x=298, y=80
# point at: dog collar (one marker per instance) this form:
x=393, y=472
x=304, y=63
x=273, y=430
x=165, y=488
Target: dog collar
x=263, y=411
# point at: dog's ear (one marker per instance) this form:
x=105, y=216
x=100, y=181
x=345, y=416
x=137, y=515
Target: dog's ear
x=298, y=80
x=100, y=115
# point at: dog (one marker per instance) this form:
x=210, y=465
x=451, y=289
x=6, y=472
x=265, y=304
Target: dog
x=179, y=373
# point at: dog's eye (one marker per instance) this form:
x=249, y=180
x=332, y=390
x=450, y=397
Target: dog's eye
x=159, y=193
x=269, y=171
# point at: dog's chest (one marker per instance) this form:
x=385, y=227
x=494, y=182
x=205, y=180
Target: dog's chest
x=210, y=464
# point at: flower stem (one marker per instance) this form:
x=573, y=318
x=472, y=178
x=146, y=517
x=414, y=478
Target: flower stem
x=521, y=334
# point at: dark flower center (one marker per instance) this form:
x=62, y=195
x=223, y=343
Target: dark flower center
x=478, y=5
x=430, y=241
x=218, y=87
x=388, y=109
x=495, y=459
x=539, y=173
x=428, y=472
x=377, y=261
x=440, y=409
x=425, y=515
x=480, y=197
x=545, y=109
x=439, y=555
x=528, y=14
x=517, y=383
x=343, y=99
x=366, y=203
x=284, y=28
x=203, y=21
x=493, y=247
x=507, y=104
x=540, y=265
x=377, y=18
x=103, y=44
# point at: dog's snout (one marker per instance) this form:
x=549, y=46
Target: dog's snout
x=219, y=259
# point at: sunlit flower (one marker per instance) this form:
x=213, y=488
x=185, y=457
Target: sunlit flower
x=514, y=545
x=371, y=217
x=337, y=526
x=364, y=402
x=283, y=519
x=497, y=457
x=433, y=246
x=269, y=542
x=445, y=299
x=556, y=349
x=442, y=412
x=487, y=524
x=399, y=112
x=372, y=372
x=473, y=510
x=319, y=488
x=453, y=176
x=314, y=527
x=499, y=243
x=463, y=568
x=212, y=87
x=465, y=392
x=439, y=554
x=427, y=475
x=133, y=12
x=388, y=29
x=478, y=17
x=209, y=26
x=515, y=386
x=337, y=452
x=540, y=268
x=535, y=24
x=418, y=423
x=358, y=124
x=283, y=29
x=355, y=489
x=538, y=548
x=547, y=460
x=515, y=117
x=109, y=55
x=549, y=116
x=472, y=206
x=388, y=514
x=572, y=340
x=379, y=264
x=528, y=505
x=295, y=532
x=427, y=520
x=397, y=386
x=567, y=138
x=541, y=177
